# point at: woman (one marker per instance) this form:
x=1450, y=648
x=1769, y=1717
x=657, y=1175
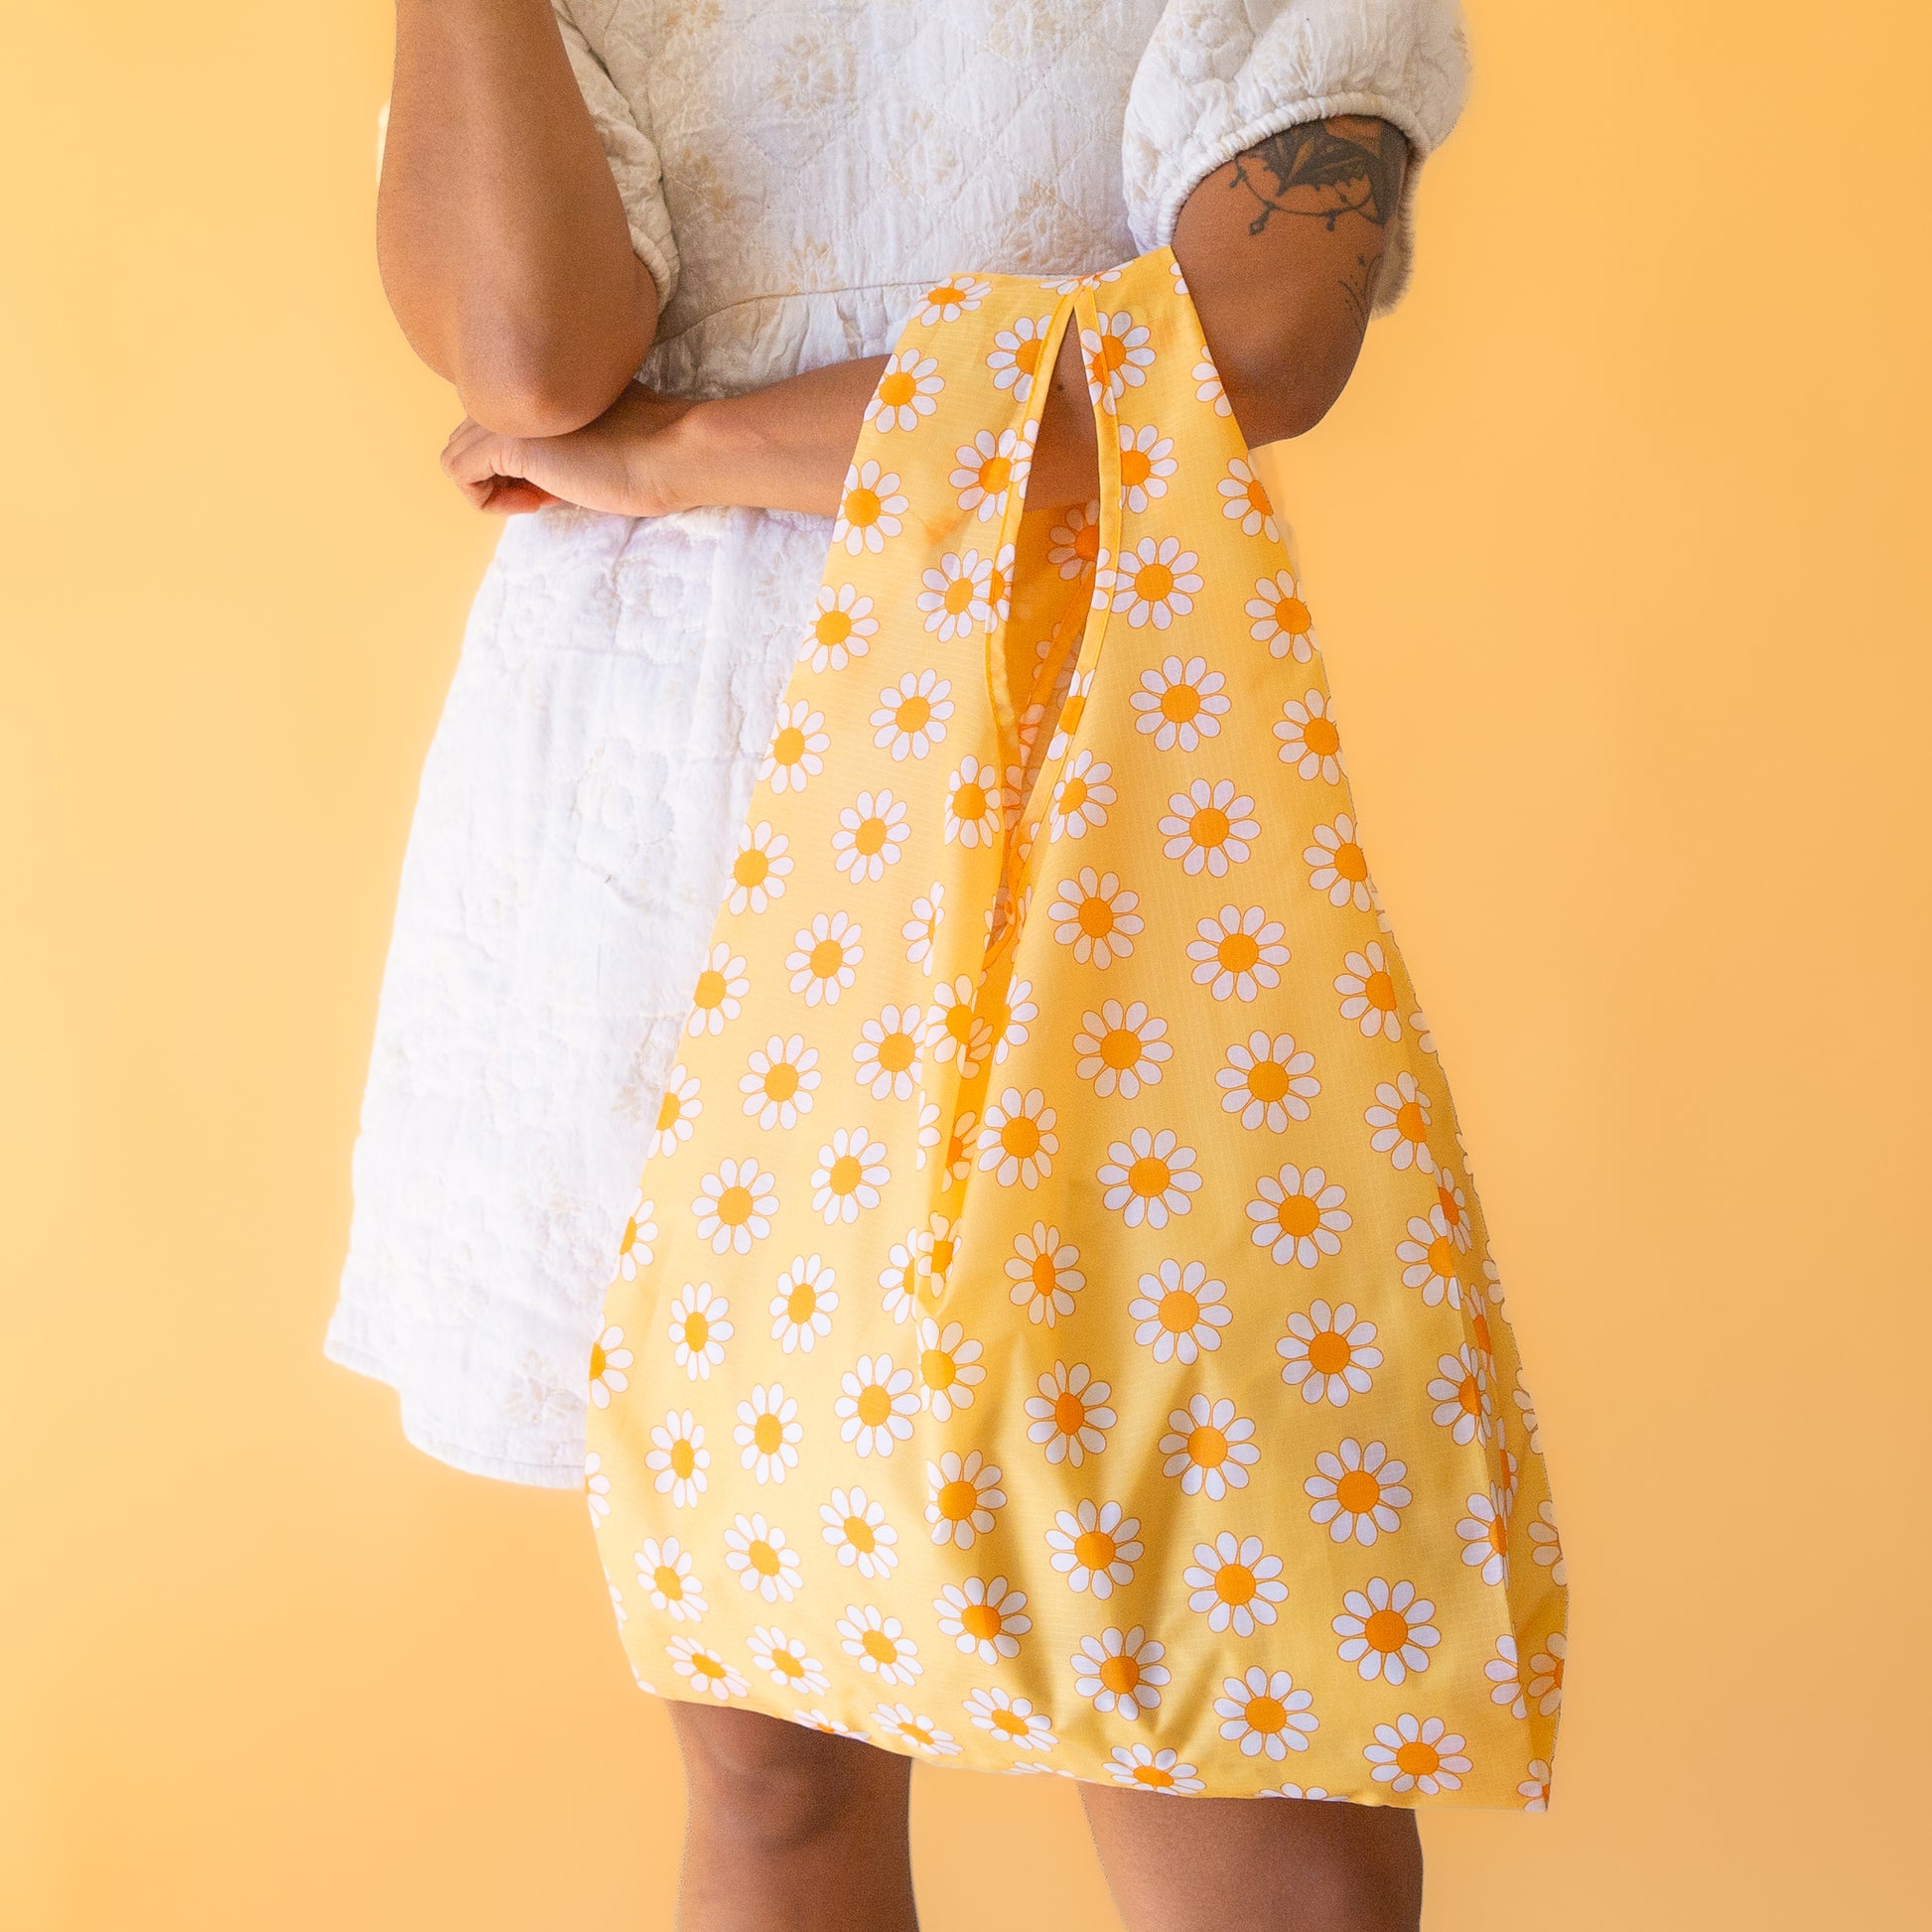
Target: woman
x=747, y=202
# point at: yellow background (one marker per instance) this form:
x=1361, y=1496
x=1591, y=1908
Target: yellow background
x=1617, y=544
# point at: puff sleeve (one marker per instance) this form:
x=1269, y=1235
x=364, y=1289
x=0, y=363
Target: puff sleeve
x=633, y=156
x=1220, y=76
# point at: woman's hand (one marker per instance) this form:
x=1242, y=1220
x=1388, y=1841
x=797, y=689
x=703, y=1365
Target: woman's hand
x=627, y=461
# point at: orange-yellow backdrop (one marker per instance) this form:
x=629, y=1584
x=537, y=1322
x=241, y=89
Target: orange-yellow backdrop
x=1618, y=542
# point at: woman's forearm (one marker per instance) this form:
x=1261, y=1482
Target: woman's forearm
x=500, y=234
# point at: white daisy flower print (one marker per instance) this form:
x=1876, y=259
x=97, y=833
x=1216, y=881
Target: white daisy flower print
x=955, y=1028
x=1095, y=1547
x=1311, y=1793
x=788, y=1663
x=1017, y=1141
x=984, y=1617
x=796, y=753
x=923, y=1733
x=876, y=1404
x=825, y=956
x=1155, y=582
x=843, y=630
x=1011, y=1720
x=871, y=506
x=1368, y=995
x=1398, y=1121
x=880, y=1644
x=783, y=1076
x=1146, y=461
x=677, y=1113
x=634, y=1249
x=886, y=1062
x=801, y=1311
x=1505, y=1674
x=1094, y=914
x=769, y=1433
x=1281, y=618
x=900, y=1277
x=988, y=467
x=1298, y=1217
x=760, y=869
x=958, y=296
x=818, y=1721
x=1121, y=1049
x=1546, y=1674
x=1330, y=1354
x=973, y=803
x=1244, y=500
x=1262, y=1710
x=664, y=1571
x=1180, y=704
x=700, y=1327
x=963, y=1497
x=849, y=1177
x=1385, y=1631
x=1234, y=1584
x=608, y=1360
x=1070, y=1415
x=957, y=598
x=1008, y=1018
x=1417, y=1754
x=950, y=1365
x=906, y=393
x=1534, y=1788
x=1268, y=1082
x=869, y=832
x=735, y=1207
x=1239, y=953
x=1358, y=1491
x=911, y=716
x=1430, y=1260
x=1210, y=1447
x=1074, y=544
x=1179, y=1311
x=1044, y=1274
x=1015, y=360
x=757, y=1551
x=1209, y=827
x=1336, y=866
x=1081, y=795
x=860, y=1536
x=1145, y=1769
x=1453, y=1206
x=1459, y=1391
x=1096, y=278
x=921, y=932
x=622, y=1614
x=1118, y=357
x=719, y=994
x=1546, y=1544
x=705, y=1669
x=1207, y=385
x=678, y=1458
x=1485, y=1535
x=1149, y=1177
x=1309, y=743
x=1121, y=1671
x=596, y=1488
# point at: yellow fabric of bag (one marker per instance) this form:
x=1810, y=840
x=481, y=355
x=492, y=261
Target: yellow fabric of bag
x=1056, y=1329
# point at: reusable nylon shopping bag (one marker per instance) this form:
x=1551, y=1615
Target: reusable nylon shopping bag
x=1056, y=1331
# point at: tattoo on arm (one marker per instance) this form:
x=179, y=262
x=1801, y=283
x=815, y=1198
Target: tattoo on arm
x=1321, y=171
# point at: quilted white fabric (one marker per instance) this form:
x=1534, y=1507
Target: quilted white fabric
x=795, y=175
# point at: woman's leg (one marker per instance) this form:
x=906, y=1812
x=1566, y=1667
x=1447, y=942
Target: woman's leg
x=1256, y=1864
x=789, y=1826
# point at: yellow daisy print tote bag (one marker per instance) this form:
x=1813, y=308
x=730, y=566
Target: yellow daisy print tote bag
x=1056, y=1332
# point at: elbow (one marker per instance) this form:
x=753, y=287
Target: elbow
x=1284, y=389
x=534, y=394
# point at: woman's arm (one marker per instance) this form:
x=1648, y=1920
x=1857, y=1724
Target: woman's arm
x=499, y=231
x=1281, y=248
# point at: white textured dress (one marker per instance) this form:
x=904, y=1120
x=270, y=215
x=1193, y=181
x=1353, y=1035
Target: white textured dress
x=795, y=177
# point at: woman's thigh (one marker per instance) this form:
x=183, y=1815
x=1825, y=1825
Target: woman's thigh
x=1256, y=1864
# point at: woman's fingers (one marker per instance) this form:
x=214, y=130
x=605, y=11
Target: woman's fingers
x=489, y=467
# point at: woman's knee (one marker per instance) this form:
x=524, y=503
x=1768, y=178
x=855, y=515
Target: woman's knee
x=777, y=1785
